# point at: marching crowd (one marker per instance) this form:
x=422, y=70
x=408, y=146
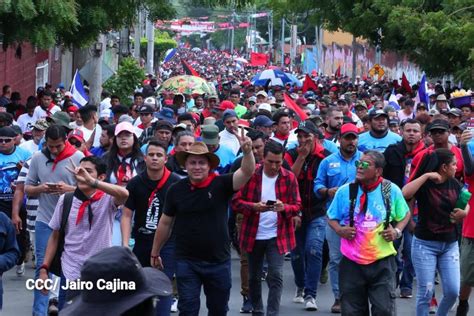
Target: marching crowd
x=345, y=185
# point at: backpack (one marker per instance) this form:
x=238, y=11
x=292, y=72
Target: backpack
x=386, y=193
x=55, y=266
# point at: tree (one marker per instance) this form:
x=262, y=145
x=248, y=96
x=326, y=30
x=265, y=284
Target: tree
x=128, y=77
x=163, y=42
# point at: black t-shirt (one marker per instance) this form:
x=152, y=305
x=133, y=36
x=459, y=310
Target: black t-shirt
x=146, y=217
x=201, y=219
x=435, y=203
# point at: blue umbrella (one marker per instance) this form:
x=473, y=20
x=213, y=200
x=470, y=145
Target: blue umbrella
x=294, y=80
x=276, y=77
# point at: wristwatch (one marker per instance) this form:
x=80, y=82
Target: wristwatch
x=399, y=233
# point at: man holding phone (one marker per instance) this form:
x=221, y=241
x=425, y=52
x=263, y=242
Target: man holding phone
x=268, y=203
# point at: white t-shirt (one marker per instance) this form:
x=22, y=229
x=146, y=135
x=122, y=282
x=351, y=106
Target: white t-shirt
x=229, y=140
x=39, y=113
x=30, y=145
x=26, y=122
x=402, y=116
x=88, y=133
x=267, y=226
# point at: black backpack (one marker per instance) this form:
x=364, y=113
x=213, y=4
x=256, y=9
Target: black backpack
x=55, y=266
x=386, y=193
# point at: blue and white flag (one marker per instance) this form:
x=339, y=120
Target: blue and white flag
x=392, y=101
x=169, y=55
x=79, y=95
x=423, y=91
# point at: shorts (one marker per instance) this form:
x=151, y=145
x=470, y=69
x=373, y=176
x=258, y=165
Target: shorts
x=467, y=261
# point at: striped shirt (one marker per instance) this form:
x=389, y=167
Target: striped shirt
x=32, y=202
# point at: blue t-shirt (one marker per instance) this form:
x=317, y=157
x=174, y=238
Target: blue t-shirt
x=9, y=170
x=227, y=157
x=368, y=142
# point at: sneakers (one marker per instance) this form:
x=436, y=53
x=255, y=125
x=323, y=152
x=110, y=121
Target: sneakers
x=310, y=304
x=463, y=308
x=288, y=256
x=20, y=270
x=406, y=294
x=323, y=279
x=246, y=306
x=299, y=296
x=433, y=306
x=336, y=307
x=53, y=307
x=174, y=306
x=264, y=275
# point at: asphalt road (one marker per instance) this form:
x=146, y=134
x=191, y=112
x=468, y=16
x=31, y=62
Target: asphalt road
x=17, y=299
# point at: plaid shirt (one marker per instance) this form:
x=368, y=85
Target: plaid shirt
x=286, y=190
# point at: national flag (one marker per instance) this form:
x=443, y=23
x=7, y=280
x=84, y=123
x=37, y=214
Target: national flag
x=293, y=106
x=337, y=74
x=422, y=95
x=169, y=55
x=406, y=84
x=309, y=84
x=258, y=59
x=392, y=101
x=188, y=69
x=79, y=95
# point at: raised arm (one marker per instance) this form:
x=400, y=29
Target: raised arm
x=247, y=168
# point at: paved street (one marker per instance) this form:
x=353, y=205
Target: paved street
x=17, y=300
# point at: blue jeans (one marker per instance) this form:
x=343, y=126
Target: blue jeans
x=335, y=256
x=405, y=266
x=163, y=307
x=40, y=303
x=214, y=277
x=307, y=257
x=428, y=256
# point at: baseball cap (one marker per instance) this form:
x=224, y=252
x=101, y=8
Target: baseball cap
x=308, y=127
x=455, y=112
x=377, y=113
x=210, y=134
x=149, y=101
x=226, y=105
x=166, y=114
x=77, y=134
x=228, y=114
x=253, y=99
x=146, y=109
x=301, y=101
x=163, y=125
x=7, y=131
x=262, y=93
x=123, y=127
x=393, y=122
x=438, y=124
x=262, y=120
x=41, y=125
x=265, y=106
x=271, y=100
x=60, y=118
x=441, y=97
x=349, y=128
x=360, y=104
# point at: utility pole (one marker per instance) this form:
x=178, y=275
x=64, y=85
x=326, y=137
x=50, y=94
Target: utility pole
x=97, y=51
x=378, y=48
x=282, y=42
x=150, y=35
x=270, y=35
x=293, y=44
x=138, y=35
x=232, y=33
x=354, y=58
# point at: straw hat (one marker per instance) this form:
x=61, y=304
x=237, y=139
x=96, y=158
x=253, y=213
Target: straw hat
x=199, y=149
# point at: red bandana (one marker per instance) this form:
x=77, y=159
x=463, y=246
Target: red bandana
x=67, y=152
x=161, y=183
x=205, y=183
x=416, y=150
x=366, y=189
x=96, y=197
x=280, y=136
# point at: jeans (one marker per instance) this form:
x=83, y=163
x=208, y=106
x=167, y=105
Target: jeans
x=163, y=307
x=214, y=277
x=244, y=264
x=429, y=256
x=269, y=249
x=374, y=283
x=42, y=231
x=405, y=266
x=335, y=256
x=306, y=258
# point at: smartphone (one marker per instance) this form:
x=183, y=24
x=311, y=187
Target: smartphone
x=51, y=184
x=270, y=203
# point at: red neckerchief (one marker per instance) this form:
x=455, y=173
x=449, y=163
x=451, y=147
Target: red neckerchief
x=280, y=136
x=365, y=190
x=50, y=107
x=172, y=152
x=349, y=114
x=96, y=197
x=416, y=150
x=318, y=150
x=140, y=126
x=161, y=183
x=205, y=183
x=67, y=152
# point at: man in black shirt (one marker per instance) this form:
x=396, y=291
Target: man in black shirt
x=196, y=210
x=147, y=193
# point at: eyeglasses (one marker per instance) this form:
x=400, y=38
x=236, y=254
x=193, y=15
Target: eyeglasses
x=75, y=143
x=5, y=140
x=362, y=164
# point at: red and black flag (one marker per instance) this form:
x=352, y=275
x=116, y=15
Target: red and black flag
x=188, y=69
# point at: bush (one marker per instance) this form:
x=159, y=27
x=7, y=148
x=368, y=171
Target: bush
x=163, y=42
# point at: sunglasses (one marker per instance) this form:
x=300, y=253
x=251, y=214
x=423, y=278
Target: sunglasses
x=75, y=143
x=5, y=140
x=437, y=131
x=362, y=164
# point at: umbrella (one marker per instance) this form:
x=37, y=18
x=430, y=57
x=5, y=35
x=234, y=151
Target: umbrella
x=276, y=77
x=241, y=60
x=188, y=85
x=294, y=80
x=196, y=49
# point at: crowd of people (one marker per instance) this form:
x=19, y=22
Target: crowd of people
x=346, y=187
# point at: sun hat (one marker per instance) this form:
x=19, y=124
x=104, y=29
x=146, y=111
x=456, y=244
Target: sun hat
x=199, y=149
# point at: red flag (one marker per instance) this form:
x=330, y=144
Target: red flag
x=338, y=72
x=293, y=106
x=258, y=59
x=309, y=84
x=406, y=84
x=188, y=69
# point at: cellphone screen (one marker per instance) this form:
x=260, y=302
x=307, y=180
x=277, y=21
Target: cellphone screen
x=270, y=203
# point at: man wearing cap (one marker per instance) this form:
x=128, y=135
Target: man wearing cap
x=306, y=258
x=37, y=133
x=379, y=137
x=210, y=137
x=161, y=130
x=48, y=178
x=227, y=136
x=199, y=222
x=421, y=108
x=335, y=171
x=361, y=109
x=146, y=116
x=76, y=138
x=264, y=124
x=441, y=103
x=11, y=159
x=211, y=106
x=261, y=97
x=454, y=119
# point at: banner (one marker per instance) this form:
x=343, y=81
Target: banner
x=258, y=59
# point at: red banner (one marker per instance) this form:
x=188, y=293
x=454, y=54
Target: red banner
x=309, y=84
x=292, y=105
x=258, y=59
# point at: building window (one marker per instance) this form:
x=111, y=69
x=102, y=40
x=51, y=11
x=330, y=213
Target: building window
x=42, y=74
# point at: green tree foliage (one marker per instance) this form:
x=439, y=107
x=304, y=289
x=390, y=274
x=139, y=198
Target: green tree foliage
x=128, y=77
x=163, y=42
x=70, y=22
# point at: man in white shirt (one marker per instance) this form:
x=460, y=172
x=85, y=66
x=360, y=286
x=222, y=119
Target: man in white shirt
x=46, y=107
x=38, y=130
x=26, y=120
x=87, y=121
x=227, y=136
